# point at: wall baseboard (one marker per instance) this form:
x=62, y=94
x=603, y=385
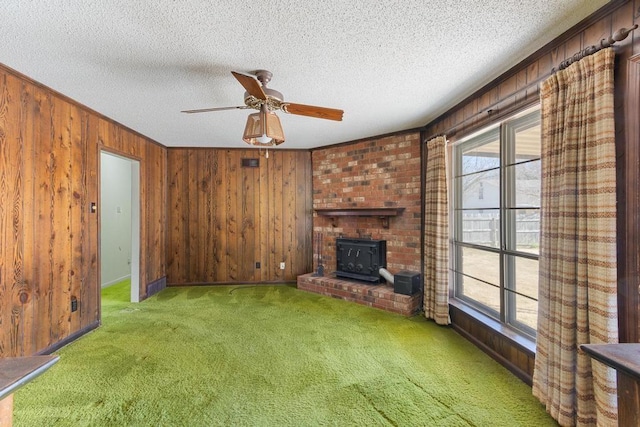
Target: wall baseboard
x=113, y=282
x=264, y=282
x=156, y=286
x=57, y=346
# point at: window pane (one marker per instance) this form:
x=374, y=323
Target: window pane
x=477, y=158
x=479, y=292
x=527, y=144
x=523, y=311
x=483, y=265
x=526, y=276
x=524, y=230
x=481, y=227
x=527, y=184
x=527, y=230
x=481, y=190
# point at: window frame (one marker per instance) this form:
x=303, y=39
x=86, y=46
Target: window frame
x=506, y=249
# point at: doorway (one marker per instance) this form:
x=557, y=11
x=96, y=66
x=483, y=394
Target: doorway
x=120, y=222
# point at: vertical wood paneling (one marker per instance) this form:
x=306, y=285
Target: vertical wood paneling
x=17, y=224
x=288, y=221
x=515, y=358
x=77, y=199
x=221, y=234
x=243, y=216
x=192, y=213
x=627, y=111
x=264, y=219
x=152, y=159
x=598, y=31
x=248, y=238
x=275, y=212
x=89, y=306
x=60, y=169
x=572, y=46
x=199, y=206
x=232, y=252
x=176, y=262
x=44, y=271
x=49, y=151
x=205, y=212
x=133, y=147
x=29, y=286
x=148, y=190
x=157, y=212
x=6, y=234
x=304, y=208
x=41, y=288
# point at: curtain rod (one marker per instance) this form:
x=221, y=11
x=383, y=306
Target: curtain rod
x=619, y=35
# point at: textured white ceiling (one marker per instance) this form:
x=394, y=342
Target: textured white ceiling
x=390, y=65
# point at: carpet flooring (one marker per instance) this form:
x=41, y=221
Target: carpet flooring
x=270, y=356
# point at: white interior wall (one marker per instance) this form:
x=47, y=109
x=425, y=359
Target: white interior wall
x=115, y=236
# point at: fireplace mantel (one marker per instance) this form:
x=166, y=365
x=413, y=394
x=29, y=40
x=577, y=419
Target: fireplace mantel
x=383, y=213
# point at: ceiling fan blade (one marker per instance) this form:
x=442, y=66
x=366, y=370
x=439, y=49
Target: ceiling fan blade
x=250, y=83
x=313, y=111
x=205, y=110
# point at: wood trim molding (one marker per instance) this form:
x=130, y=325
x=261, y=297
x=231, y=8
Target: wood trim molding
x=382, y=213
x=629, y=227
x=57, y=346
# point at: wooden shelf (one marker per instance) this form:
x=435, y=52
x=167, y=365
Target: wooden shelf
x=625, y=359
x=383, y=213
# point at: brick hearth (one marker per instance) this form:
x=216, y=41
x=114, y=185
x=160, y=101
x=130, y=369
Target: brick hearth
x=379, y=295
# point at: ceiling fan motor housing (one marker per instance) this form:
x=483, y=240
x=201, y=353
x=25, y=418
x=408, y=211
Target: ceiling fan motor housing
x=273, y=101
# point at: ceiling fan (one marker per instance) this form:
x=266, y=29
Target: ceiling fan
x=263, y=128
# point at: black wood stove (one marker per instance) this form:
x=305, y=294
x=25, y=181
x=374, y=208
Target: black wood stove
x=360, y=259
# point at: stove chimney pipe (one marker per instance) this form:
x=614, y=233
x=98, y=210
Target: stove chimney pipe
x=387, y=275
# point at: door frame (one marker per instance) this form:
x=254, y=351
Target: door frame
x=135, y=219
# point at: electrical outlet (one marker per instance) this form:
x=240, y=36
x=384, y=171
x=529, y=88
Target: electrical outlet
x=282, y=266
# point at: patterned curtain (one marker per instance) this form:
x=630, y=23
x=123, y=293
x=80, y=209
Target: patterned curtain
x=577, y=282
x=436, y=264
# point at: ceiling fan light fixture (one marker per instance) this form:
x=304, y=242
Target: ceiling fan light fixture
x=263, y=129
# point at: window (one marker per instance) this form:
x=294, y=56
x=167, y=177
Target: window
x=496, y=235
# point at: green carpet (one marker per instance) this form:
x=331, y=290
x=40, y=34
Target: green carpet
x=270, y=356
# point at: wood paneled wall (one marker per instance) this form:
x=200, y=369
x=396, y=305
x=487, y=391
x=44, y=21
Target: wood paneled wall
x=115, y=139
x=517, y=89
x=223, y=218
x=49, y=239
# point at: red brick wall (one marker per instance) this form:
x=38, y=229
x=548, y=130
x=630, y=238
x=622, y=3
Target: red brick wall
x=372, y=173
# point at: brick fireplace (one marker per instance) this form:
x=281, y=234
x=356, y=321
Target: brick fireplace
x=367, y=189
x=378, y=296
